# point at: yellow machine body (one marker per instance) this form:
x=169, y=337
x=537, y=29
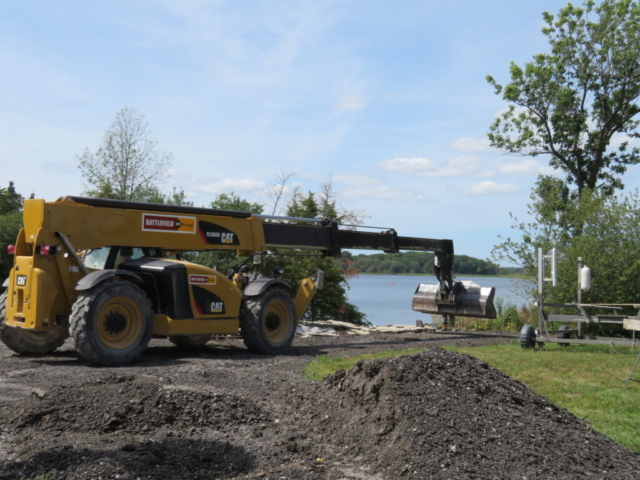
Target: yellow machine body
x=42, y=288
x=109, y=273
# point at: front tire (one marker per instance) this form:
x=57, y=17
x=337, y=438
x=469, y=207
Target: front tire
x=29, y=342
x=527, y=337
x=268, y=322
x=112, y=323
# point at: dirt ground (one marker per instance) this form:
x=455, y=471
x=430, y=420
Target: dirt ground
x=226, y=413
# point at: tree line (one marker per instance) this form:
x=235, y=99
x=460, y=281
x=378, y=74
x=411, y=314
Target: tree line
x=422, y=263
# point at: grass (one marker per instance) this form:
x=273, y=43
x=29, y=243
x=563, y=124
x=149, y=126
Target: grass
x=587, y=380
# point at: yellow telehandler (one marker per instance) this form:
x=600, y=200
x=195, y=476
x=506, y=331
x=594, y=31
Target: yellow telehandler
x=109, y=273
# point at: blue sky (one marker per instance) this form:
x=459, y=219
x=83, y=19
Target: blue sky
x=388, y=99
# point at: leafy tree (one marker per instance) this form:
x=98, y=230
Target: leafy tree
x=127, y=165
x=299, y=264
x=10, y=225
x=231, y=201
x=10, y=200
x=609, y=243
x=177, y=197
x=571, y=102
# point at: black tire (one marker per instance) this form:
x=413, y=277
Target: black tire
x=564, y=335
x=527, y=336
x=268, y=322
x=112, y=323
x=29, y=342
x=190, y=342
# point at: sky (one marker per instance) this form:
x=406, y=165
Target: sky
x=388, y=100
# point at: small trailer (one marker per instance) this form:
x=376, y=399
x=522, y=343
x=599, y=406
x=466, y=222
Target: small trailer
x=566, y=335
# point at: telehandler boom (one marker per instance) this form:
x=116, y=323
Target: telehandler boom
x=109, y=274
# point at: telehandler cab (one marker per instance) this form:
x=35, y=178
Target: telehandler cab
x=109, y=274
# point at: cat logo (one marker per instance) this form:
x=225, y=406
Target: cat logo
x=227, y=238
x=217, y=307
x=21, y=281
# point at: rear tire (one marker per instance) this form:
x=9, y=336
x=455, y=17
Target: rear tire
x=112, y=323
x=564, y=335
x=190, y=342
x=29, y=342
x=527, y=337
x=268, y=322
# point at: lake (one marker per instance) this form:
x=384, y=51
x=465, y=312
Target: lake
x=386, y=299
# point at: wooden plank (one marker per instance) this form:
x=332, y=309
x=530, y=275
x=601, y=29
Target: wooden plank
x=630, y=324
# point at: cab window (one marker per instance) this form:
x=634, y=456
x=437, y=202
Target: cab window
x=128, y=253
x=96, y=258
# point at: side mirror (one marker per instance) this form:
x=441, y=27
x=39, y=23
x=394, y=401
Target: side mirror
x=257, y=258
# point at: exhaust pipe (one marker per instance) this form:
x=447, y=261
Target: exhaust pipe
x=465, y=299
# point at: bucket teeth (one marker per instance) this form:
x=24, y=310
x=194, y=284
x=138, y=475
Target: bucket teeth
x=466, y=299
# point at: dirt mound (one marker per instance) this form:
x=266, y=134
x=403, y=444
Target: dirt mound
x=440, y=414
x=126, y=404
x=437, y=415
x=167, y=459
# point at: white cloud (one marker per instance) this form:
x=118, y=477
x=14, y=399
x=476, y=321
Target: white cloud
x=385, y=192
x=352, y=102
x=355, y=179
x=489, y=188
x=470, y=144
x=423, y=167
x=234, y=184
x=526, y=167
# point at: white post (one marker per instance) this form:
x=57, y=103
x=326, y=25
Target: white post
x=540, y=272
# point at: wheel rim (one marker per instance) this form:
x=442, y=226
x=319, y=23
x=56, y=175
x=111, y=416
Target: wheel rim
x=277, y=321
x=119, y=323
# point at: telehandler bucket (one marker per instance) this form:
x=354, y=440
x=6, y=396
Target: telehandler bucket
x=466, y=299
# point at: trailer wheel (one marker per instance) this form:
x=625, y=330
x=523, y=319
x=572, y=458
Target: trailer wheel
x=564, y=335
x=29, y=342
x=189, y=342
x=527, y=337
x=268, y=322
x=111, y=323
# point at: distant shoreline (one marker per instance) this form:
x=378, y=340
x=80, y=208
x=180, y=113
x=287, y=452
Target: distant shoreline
x=520, y=277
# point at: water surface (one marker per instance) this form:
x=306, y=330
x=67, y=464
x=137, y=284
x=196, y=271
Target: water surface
x=386, y=299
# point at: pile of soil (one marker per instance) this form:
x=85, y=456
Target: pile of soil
x=439, y=414
x=126, y=404
x=435, y=415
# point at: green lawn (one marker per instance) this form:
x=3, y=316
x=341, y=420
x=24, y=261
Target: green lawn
x=586, y=380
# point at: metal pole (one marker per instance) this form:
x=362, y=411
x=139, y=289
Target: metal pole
x=580, y=295
x=540, y=291
x=631, y=372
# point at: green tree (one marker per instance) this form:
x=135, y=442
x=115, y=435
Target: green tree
x=10, y=225
x=569, y=103
x=609, y=243
x=127, y=165
x=299, y=264
x=231, y=201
